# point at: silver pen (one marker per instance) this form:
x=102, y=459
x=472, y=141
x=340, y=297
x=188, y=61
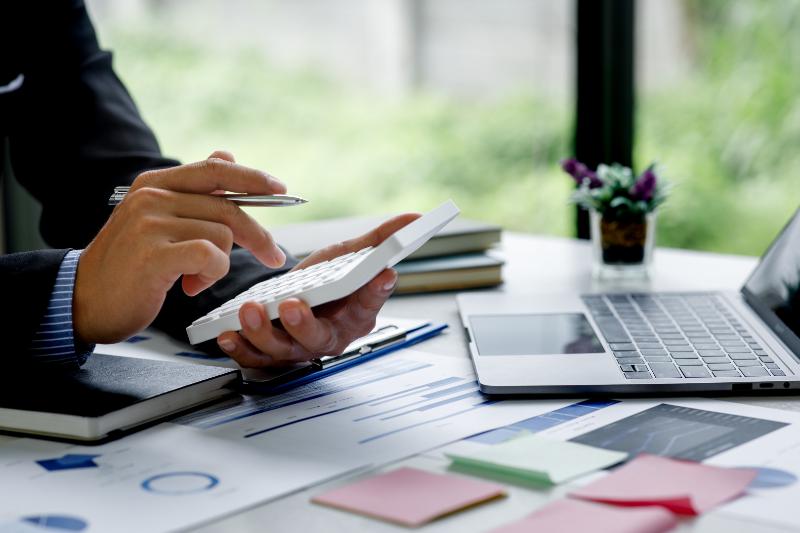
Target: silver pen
x=252, y=200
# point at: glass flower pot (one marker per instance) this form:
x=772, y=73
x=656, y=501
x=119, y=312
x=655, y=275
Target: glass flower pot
x=622, y=247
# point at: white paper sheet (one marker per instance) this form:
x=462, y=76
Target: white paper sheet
x=221, y=461
x=390, y=408
x=165, y=478
x=715, y=432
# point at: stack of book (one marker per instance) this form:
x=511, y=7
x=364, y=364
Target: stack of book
x=457, y=258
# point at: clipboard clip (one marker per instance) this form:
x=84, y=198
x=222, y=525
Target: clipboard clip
x=380, y=338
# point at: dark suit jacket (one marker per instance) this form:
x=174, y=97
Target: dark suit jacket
x=74, y=134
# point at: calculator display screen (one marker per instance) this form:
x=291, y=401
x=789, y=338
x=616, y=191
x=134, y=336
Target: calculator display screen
x=534, y=334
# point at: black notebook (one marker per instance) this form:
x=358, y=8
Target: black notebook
x=106, y=395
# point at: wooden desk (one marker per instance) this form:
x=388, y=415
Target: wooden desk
x=535, y=265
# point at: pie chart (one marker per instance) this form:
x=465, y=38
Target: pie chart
x=176, y=483
x=45, y=524
x=771, y=478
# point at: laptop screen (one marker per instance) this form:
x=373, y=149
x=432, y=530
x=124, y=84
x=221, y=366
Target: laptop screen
x=773, y=289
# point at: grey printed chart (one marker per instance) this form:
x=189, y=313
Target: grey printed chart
x=678, y=432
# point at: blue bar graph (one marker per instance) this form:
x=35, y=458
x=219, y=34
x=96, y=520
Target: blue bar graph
x=542, y=422
x=247, y=406
x=350, y=406
x=430, y=406
x=483, y=403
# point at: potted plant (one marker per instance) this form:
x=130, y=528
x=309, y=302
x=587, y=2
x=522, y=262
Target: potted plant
x=622, y=211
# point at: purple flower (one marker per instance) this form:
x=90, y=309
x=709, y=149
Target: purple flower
x=580, y=173
x=645, y=186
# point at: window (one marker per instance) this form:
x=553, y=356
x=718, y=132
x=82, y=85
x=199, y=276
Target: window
x=718, y=103
x=364, y=106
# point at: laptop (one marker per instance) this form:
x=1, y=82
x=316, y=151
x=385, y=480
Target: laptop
x=647, y=342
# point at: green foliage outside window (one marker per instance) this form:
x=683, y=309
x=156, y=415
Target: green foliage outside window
x=727, y=136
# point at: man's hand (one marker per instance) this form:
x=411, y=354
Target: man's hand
x=302, y=334
x=169, y=225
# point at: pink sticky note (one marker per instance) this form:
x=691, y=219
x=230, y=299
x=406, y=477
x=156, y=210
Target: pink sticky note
x=576, y=516
x=409, y=496
x=683, y=487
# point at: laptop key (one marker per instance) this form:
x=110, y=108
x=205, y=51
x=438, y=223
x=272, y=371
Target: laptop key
x=640, y=368
x=754, y=371
x=747, y=363
x=683, y=355
x=689, y=362
x=742, y=357
x=649, y=345
x=772, y=366
x=627, y=368
x=711, y=353
x=686, y=348
x=612, y=330
x=695, y=372
x=766, y=359
x=665, y=370
x=777, y=372
x=715, y=360
x=621, y=346
x=654, y=352
x=726, y=374
x=721, y=366
x=630, y=353
x=675, y=342
x=704, y=346
x=630, y=361
x=637, y=375
x=658, y=358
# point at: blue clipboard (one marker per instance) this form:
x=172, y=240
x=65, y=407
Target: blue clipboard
x=281, y=381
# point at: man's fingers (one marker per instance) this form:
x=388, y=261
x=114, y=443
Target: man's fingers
x=377, y=235
x=317, y=336
x=245, y=230
x=258, y=330
x=368, y=300
x=188, y=229
x=222, y=154
x=199, y=261
x=211, y=175
x=242, y=351
x=372, y=238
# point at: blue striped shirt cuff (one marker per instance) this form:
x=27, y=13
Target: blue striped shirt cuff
x=54, y=341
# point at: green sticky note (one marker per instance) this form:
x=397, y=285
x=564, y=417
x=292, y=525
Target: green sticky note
x=535, y=460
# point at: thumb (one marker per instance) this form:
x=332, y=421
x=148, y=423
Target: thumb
x=222, y=154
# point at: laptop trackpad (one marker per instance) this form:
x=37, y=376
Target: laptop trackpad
x=534, y=334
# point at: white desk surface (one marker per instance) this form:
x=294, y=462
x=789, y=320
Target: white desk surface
x=534, y=265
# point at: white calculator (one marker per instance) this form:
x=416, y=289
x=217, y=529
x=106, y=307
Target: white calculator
x=326, y=281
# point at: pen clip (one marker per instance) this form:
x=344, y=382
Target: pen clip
x=381, y=338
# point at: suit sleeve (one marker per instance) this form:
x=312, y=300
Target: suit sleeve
x=78, y=133
x=76, y=136
x=27, y=279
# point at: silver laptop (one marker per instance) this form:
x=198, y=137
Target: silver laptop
x=645, y=343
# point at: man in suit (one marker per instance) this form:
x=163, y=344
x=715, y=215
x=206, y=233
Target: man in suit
x=72, y=133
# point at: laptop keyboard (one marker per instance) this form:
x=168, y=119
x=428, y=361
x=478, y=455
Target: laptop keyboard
x=678, y=336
